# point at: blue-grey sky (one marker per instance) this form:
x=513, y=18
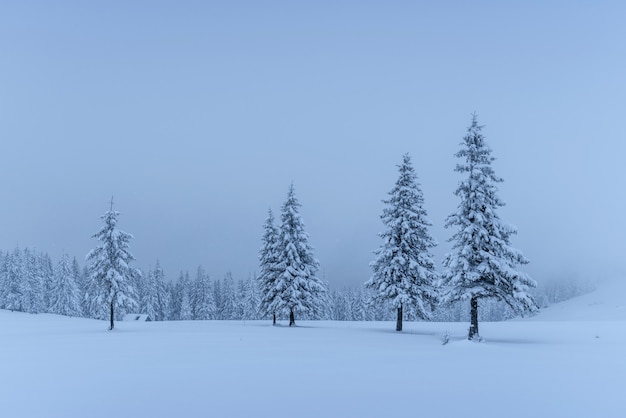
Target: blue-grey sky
x=197, y=115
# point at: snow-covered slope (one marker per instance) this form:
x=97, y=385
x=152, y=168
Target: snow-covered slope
x=606, y=303
x=53, y=366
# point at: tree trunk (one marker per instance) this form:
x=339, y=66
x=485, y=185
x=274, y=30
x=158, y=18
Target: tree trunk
x=292, y=320
x=111, y=327
x=274, y=317
x=399, y=320
x=473, y=331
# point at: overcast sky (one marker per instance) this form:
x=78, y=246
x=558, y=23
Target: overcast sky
x=197, y=116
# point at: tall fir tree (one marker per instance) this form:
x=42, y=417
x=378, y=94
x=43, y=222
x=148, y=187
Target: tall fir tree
x=229, y=297
x=80, y=280
x=217, y=297
x=92, y=305
x=3, y=277
x=46, y=269
x=149, y=300
x=251, y=299
x=404, y=274
x=85, y=302
x=204, y=303
x=110, y=269
x=65, y=296
x=162, y=293
x=482, y=264
x=172, y=307
x=299, y=289
x=268, y=264
x=186, y=310
x=358, y=302
x=241, y=297
x=35, y=286
x=13, y=290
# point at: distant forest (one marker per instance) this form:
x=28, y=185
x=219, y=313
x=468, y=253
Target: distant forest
x=30, y=281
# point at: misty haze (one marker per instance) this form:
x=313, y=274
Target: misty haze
x=312, y=209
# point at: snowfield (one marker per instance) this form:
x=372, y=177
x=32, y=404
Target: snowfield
x=569, y=361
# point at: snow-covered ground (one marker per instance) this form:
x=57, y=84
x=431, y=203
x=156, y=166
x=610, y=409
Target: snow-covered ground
x=570, y=361
x=607, y=303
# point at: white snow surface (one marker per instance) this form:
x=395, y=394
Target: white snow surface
x=569, y=361
x=607, y=303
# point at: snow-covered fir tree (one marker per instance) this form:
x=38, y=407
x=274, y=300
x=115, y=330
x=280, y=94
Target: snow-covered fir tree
x=340, y=307
x=13, y=286
x=154, y=297
x=85, y=302
x=204, y=303
x=251, y=299
x=64, y=296
x=3, y=277
x=136, y=282
x=358, y=304
x=404, y=274
x=110, y=270
x=241, y=292
x=92, y=306
x=229, y=298
x=268, y=264
x=163, y=296
x=217, y=297
x=46, y=269
x=482, y=264
x=34, y=282
x=171, y=307
x=299, y=289
x=81, y=283
x=149, y=299
x=186, y=310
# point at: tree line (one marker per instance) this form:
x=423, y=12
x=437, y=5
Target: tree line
x=480, y=270
x=31, y=281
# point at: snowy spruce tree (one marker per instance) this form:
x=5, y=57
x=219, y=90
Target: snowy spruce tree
x=250, y=299
x=46, y=269
x=404, y=274
x=204, y=303
x=64, y=296
x=298, y=288
x=154, y=298
x=268, y=263
x=229, y=297
x=241, y=296
x=110, y=272
x=149, y=299
x=163, y=295
x=482, y=264
x=186, y=309
x=13, y=286
x=81, y=284
x=35, y=283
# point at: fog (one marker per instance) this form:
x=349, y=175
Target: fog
x=197, y=117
